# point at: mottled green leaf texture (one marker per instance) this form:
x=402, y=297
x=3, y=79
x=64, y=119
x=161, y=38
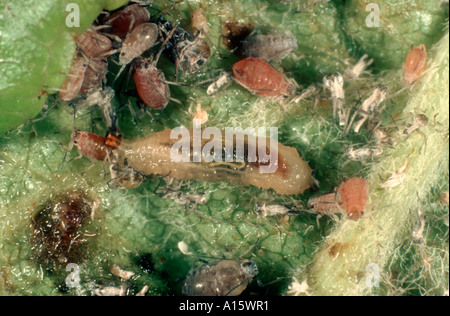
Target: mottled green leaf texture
x=36, y=51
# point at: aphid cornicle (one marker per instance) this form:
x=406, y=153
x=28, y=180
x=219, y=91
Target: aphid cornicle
x=268, y=47
x=415, y=64
x=124, y=21
x=353, y=193
x=221, y=278
x=262, y=79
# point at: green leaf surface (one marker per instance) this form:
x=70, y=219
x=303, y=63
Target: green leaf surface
x=36, y=52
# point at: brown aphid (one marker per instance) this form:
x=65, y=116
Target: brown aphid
x=92, y=145
x=139, y=40
x=96, y=72
x=93, y=44
x=329, y=203
x=221, y=278
x=124, y=21
x=234, y=33
x=268, y=47
x=353, y=193
x=71, y=87
x=150, y=84
x=415, y=64
x=262, y=79
x=56, y=230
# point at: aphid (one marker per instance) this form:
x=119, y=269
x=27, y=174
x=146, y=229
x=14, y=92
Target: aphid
x=335, y=83
x=189, y=53
x=124, y=21
x=139, y=40
x=93, y=44
x=153, y=155
x=122, y=274
x=445, y=198
x=234, y=33
x=184, y=248
x=370, y=105
x=356, y=71
x=221, y=278
x=56, y=230
x=92, y=146
x=223, y=81
x=126, y=176
x=182, y=198
x=353, y=193
x=329, y=203
x=273, y=210
x=260, y=78
x=415, y=64
x=151, y=84
x=96, y=71
x=199, y=114
x=268, y=47
x=71, y=87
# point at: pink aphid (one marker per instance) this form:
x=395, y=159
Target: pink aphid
x=262, y=79
x=71, y=87
x=94, y=44
x=92, y=145
x=150, y=84
x=139, y=40
x=415, y=64
x=353, y=193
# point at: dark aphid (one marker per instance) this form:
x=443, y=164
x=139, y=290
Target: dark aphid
x=56, y=230
x=124, y=21
x=150, y=84
x=71, y=87
x=268, y=47
x=221, y=278
x=262, y=79
x=234, y=33
x=93, y=44
x=189, y=53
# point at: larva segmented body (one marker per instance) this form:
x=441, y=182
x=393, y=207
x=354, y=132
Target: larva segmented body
x=353, y=193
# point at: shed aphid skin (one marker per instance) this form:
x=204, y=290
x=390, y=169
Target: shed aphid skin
x=124, y=21
x=224, y=80
x=274, y=210
x=221, y=278
x=363, y=152
x=415, y=64
x=262, y=79
x=199, y=23
x=270, y=48
x=419, y=121
x=152, y=155
x=296, y=288
x=370, y=105
x=335, y=84
x=419, y=228
x=354, y=196
x=396, y=178
x=126, y=176
x=358, y=69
